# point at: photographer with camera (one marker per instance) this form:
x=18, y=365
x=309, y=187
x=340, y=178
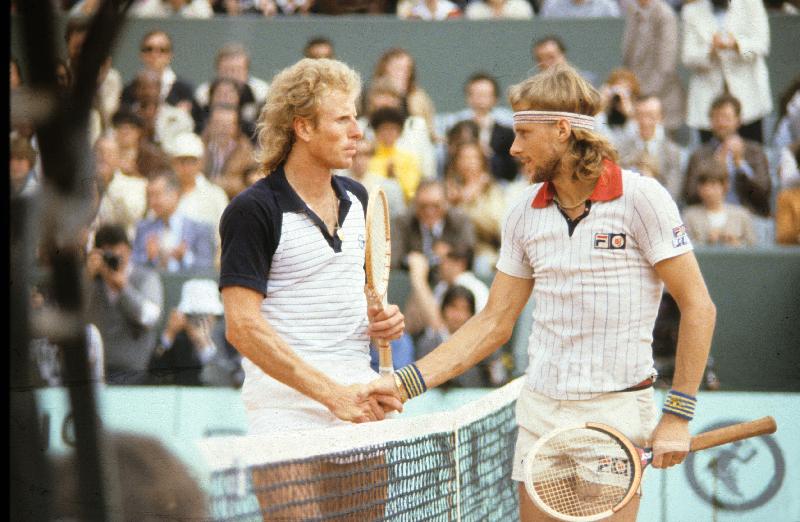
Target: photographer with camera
x=125, y=303
x=619, y=92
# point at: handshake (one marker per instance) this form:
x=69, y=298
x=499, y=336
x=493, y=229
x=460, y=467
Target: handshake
x=366, y=402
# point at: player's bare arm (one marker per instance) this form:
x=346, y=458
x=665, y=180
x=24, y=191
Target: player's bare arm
x=682, y=277
x=482, y=335
x=255, y=339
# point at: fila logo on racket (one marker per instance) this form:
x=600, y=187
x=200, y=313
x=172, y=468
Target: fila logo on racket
x=609, y=241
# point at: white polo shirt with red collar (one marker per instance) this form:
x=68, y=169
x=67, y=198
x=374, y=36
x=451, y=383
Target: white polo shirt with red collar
x=596, y=292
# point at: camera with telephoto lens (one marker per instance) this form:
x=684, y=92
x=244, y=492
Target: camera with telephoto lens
x=111, y=260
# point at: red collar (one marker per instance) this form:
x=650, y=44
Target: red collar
x=608, y=187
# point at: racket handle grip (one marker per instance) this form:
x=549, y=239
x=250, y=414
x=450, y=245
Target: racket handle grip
x=710, y=439
x=385, y=365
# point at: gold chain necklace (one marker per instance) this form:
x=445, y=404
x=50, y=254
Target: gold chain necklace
x=562, y=207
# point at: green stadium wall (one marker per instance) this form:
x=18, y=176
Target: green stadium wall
x=447, y=53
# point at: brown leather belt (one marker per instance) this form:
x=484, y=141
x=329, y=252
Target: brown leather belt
x=647, y=383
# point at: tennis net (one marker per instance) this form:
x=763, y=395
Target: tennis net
x=445, y=466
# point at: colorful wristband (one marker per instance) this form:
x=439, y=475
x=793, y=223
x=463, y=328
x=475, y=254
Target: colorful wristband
x=412, y=380
x=679, y=404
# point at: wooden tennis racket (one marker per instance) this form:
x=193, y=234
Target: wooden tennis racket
x=591, y=471
x=378, y=261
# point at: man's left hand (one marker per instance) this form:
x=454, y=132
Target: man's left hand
x=670, y=441
x=386, y=323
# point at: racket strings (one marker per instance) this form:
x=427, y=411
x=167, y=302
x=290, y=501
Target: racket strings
x=378, y=248
x=582, y=472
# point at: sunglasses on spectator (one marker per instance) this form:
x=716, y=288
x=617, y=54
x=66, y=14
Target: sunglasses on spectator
x=153, y=48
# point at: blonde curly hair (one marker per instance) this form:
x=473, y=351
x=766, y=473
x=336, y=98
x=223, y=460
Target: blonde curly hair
x=297, y=92
x=561, y=88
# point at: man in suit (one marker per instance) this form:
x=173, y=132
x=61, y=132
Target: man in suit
x=650, y=143
x=125, y=303
x=494, y=123
x=428, y=220
x=744, y=160
x=168, y=239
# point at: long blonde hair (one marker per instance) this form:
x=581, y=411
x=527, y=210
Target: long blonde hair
x=561, y=88
x=297, y=92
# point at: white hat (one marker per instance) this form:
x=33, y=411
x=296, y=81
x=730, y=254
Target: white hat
x=200, y=296
x=186, y=144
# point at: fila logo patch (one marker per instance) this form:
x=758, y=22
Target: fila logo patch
x=609, y=241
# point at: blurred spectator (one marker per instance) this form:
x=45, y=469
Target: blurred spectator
x=123, y=199
x=155, y=54
x=319, y=47
x=399, y=67
x=230, y=93
x=154, y=483
x=285, y=7
x=415, y=137
x=345, y=7
x=650, y=50
x=428, y=220
x=23, y=179
x=427, y=10
x=454, y=269
x=360, y=172
x=125, y=303
x=782, y=6
x=457, y=307
x=619, y=91
x=787, y=205
x=495, y=124
x=232, y=62
x=252, y=174
x=725, y=45
x=201, y=200
x=138, y=156
x=579, y=9
x=389, y=160
x=715, y=222
x=167, y=239
x=550, y=50
x=499, y=9
x=47, y=357
x=228, y=151
x=471, y=188
x=650, y=140
x=787, y=129
x=169, y=8
x=161, y=121
x=744, y=160
x=192, y=350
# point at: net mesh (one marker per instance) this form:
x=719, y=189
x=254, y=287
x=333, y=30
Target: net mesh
x=581, y=472
x=445, y=466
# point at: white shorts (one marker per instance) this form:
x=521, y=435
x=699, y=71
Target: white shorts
x=272, y=406
x=632, y=413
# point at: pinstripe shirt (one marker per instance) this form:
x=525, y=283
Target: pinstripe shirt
x=596, y=292
x=313, y=282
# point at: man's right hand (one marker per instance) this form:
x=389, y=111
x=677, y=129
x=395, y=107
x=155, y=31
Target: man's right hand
x=355, y=404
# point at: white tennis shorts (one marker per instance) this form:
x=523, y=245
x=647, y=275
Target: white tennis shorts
x=632, y=413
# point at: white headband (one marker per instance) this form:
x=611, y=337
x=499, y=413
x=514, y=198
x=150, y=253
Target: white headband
x=581, y=121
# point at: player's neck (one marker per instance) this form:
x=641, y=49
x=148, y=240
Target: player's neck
x=571, y=192
x=311, y=181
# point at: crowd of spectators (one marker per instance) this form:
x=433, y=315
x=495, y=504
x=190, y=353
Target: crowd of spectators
x=170, y=155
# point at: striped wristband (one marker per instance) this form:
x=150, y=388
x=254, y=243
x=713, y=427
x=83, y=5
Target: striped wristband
x=679, y=404
x=412, y=380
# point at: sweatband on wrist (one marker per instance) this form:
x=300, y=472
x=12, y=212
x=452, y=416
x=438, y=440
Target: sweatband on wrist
x=412, y=380
x=679, y=404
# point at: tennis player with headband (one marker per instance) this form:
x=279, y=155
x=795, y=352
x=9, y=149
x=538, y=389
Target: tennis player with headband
x=595, y=245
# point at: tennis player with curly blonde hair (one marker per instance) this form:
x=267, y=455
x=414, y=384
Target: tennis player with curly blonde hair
x=292, y=267
x=594, y=245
